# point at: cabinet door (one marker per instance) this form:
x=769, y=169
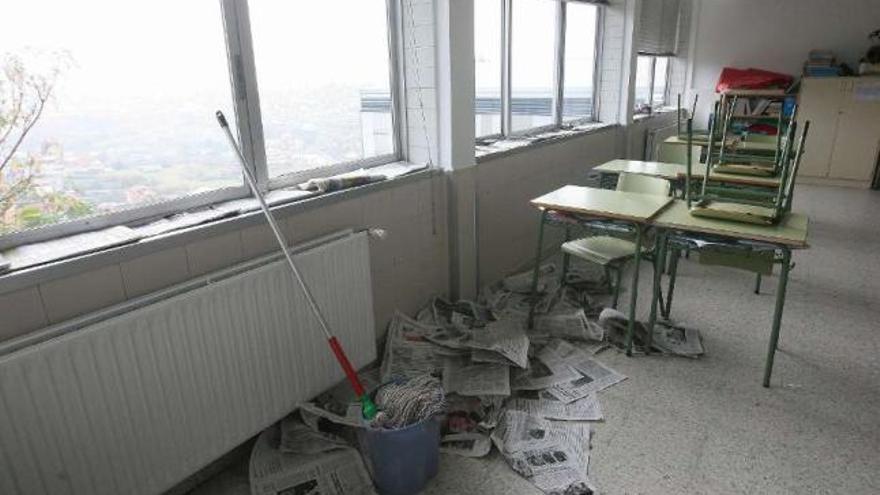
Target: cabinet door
x=819, y=102
x=858, y=132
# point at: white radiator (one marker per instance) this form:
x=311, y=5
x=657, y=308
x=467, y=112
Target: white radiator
x=138, y=402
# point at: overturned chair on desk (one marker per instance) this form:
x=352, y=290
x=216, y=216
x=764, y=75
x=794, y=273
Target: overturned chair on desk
x=738, y=154
x=615, y=247
x=755, y=258
x=763, y=207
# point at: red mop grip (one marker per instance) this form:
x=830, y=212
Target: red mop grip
x=346, y=366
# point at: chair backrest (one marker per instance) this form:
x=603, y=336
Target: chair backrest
x=675, y=153
x=643, y=184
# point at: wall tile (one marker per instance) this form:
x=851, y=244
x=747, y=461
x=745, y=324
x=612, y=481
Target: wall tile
x=21, y=312
x=258, y=240
x=214, y=253
x=154, y=271
x=73, y=296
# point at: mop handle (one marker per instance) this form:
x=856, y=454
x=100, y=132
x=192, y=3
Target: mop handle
x=252, y=183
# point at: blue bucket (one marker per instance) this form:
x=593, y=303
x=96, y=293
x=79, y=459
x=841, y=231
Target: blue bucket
x=402, y=461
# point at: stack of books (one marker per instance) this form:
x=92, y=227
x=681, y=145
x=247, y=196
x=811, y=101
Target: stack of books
x=821, y=63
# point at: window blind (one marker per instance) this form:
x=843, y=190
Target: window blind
x=658, y=28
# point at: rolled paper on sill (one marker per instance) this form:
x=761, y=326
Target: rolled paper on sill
x=328, y=184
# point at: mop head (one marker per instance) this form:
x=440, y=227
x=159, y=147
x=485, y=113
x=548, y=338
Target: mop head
x=408, y=402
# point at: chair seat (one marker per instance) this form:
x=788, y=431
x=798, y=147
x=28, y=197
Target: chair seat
x=736, y=212
x=601, y=250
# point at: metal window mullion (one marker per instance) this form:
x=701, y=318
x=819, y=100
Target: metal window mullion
x=244, y=81
x=598, y=49
x=651, y=84
x=396, y=64
x=666, y=84
x=506, y=37
x=559, y=64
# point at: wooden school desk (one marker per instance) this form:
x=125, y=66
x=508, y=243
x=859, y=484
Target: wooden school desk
x=598, y=209
x=677, y=227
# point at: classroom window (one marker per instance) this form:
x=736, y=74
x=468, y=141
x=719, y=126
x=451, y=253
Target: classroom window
x=90, y=126
x=535, y=65
x=532, y=63
x=325, y=94
x=651, y=83
x=108, y=133
x=580, y=61
x=487, y=67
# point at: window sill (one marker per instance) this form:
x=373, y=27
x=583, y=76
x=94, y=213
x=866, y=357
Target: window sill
x=503, y=147
x=657, y=113
x=56, y=267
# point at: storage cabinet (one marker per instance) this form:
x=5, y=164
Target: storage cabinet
x=844, y=139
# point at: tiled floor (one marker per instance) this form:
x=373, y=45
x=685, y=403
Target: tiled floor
x=707, y=426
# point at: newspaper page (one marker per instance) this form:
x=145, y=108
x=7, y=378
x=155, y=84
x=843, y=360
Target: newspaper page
x=462, y=314
x=506, y=337
x=544, y=405
x=519, y=431
x=348, y=414
x=544, y=371
x=335, y=472
x=485, y=356
x=594, y=376
x=463, y=377
x=466, y=444
x=521, y=283
x=408, y=352
x=297, y=438
x=615, y=324
x=557, y=461
x=572, y=325
x=681, y=341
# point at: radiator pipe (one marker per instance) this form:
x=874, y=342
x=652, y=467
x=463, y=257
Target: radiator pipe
x=368, y=408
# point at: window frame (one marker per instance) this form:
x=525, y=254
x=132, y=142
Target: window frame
x=557, y=117
x=653, y=80
x=248, y=126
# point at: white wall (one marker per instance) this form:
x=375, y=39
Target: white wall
x=776, y=35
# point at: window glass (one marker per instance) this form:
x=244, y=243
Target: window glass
x=532, y=66
x=487, y=67
x=129, y=107
x=643, y=83
x=661, y=67
x=323, y=77
x=580, y=60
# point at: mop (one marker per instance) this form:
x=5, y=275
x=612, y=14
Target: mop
x=368, y=408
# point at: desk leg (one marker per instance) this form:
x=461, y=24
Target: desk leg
x=566, y=258
x=634, y=292
x=673, y=272
x=659, y=263
x=777, y=314
x=534, y=298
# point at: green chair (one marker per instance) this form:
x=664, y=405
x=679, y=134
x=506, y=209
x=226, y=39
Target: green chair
x=611, y=252
x=737, y=209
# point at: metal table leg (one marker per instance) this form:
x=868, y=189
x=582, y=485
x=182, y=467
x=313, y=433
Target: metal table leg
x=777, y=314
x=673, y=272
x=659, y=263
x=534, y=299
x=634, y=292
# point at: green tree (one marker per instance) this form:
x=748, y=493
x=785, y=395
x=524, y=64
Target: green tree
x=24, y=95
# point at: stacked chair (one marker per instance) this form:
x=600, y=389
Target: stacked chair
x=758, y=205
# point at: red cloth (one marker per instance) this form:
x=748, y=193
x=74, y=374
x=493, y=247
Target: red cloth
x=732, y=78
